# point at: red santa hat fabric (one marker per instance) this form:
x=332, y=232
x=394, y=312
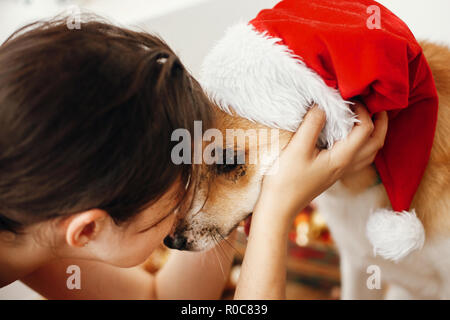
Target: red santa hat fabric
x=327, y=52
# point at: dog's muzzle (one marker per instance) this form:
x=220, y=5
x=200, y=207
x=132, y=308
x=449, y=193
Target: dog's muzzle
x=175, y=242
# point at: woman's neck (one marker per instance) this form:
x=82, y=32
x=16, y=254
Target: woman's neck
x=20, y=257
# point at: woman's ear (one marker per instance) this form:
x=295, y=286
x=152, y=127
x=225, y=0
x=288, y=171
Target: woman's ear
x=83, y=227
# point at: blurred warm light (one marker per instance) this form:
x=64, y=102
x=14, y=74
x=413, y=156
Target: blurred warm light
x=234, y=274
x=318, y=220
x=302, y=231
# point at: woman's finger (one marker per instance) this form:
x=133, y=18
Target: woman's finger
x=347, y=148
x=381, y=126
x=361, y=164
x=309, y=131
x=377, y=138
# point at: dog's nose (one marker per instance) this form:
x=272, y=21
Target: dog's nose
x=177, y=242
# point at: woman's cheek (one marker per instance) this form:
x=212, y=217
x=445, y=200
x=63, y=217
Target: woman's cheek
x=155, y=236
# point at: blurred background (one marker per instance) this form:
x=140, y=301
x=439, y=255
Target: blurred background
x=191, y=27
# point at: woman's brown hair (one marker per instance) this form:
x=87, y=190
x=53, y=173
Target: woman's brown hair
x=86, y=118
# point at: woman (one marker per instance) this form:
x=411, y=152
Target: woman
x=86, y=177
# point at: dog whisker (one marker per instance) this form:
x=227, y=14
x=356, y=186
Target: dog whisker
x=219, y=244
x=218, y=259
x=229, y=243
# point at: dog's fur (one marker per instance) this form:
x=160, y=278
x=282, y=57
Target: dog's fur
x=225, y=195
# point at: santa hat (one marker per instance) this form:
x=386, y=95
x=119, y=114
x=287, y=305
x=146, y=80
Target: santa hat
x=273, y=68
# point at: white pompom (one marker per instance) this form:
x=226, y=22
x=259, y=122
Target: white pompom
x=394, y=235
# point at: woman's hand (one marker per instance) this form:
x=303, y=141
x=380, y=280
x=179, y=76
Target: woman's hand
x=304, y=171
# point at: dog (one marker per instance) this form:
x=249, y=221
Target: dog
x=225, y=194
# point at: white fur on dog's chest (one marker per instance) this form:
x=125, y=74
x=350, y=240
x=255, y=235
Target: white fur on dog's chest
x=342, y=209
x=346, y=215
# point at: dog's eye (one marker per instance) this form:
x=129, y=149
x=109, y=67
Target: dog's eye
x=231, y=160
x=226, y=168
